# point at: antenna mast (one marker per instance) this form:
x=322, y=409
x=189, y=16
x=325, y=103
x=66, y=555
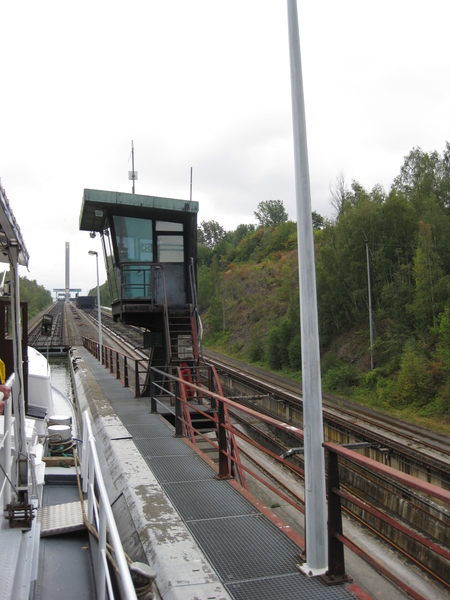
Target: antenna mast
x=132, y=174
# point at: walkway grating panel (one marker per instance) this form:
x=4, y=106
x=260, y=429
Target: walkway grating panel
x=218, y=499
x=287, y=587
x=162, y=446
x=151, y=429
x=245, y=547
x=170, y=469
x=137, y=418
x=123, y=409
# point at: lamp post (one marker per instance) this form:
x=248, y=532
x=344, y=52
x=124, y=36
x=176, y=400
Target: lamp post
x=93, y=253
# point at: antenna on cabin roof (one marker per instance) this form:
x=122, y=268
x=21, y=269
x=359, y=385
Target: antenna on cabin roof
x=190, y=194
x=132, y=175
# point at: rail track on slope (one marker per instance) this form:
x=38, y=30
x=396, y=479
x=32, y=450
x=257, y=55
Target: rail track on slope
x=129, y=340
x=414, y=443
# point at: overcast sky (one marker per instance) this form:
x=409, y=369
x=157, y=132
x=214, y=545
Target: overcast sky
x=205, y=84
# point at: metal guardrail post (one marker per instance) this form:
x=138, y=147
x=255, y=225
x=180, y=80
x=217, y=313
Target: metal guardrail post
x=336, y=563
x=85, y=456
x=5, y=452
x=101, y=572
x=91, y=482
x=224, y=463
x=153, y=406
x=178, y=423
x=136, y=379
x=126, y=383
x=103, y=518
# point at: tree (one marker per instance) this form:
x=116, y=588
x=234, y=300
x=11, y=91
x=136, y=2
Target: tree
x=339, y=193
x=210, y=233
x=317, y=220
x=424, y=174
x=271, y=212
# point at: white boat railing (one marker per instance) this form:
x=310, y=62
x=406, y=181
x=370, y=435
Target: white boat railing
x=5, y=447
x=101, y=518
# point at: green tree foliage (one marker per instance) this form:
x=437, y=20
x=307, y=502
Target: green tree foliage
x=317, y=220
x=210, y=233
x=105, y=295
x=37, y=297
x=271, y=212
x=406, y=232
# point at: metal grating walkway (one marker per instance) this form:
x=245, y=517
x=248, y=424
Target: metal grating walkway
x=252, y=557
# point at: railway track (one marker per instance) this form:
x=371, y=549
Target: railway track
x=59, y=338
x=413, y=443
x=129, y=340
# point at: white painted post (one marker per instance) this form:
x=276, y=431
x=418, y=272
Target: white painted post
x=85, y=455
x=101, y=573
x=315, y=488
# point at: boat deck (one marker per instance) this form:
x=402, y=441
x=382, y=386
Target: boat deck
x=254, y=556
x=65, y=564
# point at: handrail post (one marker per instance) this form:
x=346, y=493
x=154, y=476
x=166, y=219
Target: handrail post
x=91, y=483
x=7, y=449
x=336, y=563
x=154, y=408
x=101, y=574
x=178, y=423
x=224, y=463
x=117, y=365
x=125, y=372
x=136, y=378
x=85, y=455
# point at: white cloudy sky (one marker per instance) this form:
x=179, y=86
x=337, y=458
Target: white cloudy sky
x=205, y=84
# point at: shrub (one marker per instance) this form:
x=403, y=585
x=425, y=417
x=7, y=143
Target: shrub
x=341, y=378
x=414, y=382
x=256, y=350
x=295, y=352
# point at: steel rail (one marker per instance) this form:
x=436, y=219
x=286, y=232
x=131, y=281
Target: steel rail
x=331, y=413
x=353, y=457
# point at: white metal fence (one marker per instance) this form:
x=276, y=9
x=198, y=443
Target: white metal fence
x=101, y=518
x=5, y=448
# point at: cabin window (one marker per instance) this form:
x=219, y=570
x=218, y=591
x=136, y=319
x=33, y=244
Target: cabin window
x=107, y=248
x=134, y=239
x=170, y=248
x=110, y=265
x=168, y=226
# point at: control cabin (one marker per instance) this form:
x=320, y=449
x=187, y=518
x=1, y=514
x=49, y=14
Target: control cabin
x=85, y=302
x=150, y=250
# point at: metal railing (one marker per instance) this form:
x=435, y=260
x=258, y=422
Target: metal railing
x=336, y=538
x=130, y=371
x=102, y=519
x=5, y=447
x=185, y=426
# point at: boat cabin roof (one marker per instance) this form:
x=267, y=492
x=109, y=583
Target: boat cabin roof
x=10, y=234
x=97, y=204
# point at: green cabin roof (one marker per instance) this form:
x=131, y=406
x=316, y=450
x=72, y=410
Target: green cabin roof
x=97, y=203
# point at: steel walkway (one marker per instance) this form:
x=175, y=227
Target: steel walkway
x=253, y=558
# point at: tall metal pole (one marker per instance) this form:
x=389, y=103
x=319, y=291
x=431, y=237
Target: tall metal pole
x=18, y=389
x=100, y=339
x=370, y=306
x=190, y=190
x=315, y=488
x=223, y=297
